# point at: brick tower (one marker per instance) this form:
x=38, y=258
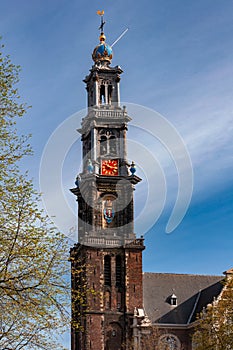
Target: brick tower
x=107, y=261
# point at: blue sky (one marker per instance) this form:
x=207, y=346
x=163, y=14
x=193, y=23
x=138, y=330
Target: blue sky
x=177, y=60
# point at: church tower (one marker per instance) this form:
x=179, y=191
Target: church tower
x=107, y=262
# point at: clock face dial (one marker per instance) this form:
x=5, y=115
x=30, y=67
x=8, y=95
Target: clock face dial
x=110, y=167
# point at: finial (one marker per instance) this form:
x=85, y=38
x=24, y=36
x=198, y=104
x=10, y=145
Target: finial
x=77, y=181
x=132, y=168
x=102, y=38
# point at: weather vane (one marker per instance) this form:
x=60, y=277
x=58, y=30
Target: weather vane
x=101, y=14
x=101, y=27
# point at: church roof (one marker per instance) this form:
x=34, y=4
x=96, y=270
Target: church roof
x=193, y=292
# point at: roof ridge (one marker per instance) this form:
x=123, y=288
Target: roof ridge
x=180, y=274
x=194, y=307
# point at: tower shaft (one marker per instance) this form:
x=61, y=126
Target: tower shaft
x=107, y=261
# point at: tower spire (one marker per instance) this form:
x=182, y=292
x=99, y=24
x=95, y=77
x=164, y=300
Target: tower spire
x=103, y=52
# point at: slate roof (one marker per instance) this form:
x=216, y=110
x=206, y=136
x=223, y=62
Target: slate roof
x=193, y=293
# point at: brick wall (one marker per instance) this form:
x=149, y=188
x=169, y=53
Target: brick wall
x=107, y=317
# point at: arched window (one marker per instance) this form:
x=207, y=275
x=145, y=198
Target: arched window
x=102, y=95
x=112, y=144
x=103, y=145
x=169, y=342
x=118, y=271
x=107, y=300
x=109, y=142
x=109, y=94
x=107, y=270
x=119, y=301
x=114, y=336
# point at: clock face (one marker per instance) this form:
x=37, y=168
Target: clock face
x=110, y=167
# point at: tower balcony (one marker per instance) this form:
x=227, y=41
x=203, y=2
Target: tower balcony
x=102, y=116
x=112, y=241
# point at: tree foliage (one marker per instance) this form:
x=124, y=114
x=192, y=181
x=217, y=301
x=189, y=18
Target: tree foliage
x=33, y=260
x=215, y=331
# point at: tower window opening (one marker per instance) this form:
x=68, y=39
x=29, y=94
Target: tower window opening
x=102, y=95
x=107, y=270
x=119, y=300
x=108, y=142
x=112, y=144
x=103, y=145
x=109, y=94
x=118, y=270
